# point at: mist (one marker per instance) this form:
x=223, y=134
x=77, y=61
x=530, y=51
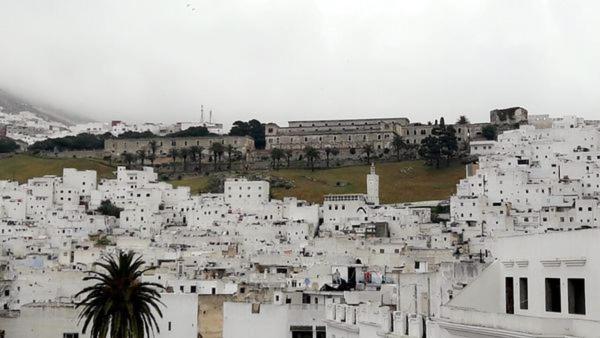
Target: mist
x=276, y=60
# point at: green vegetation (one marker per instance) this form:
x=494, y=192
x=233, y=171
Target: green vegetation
x=22, y=167
x=78, y=142
x=489, y=132
x=136, y=134
x=191, y=132
x=252, y=128
x=8, y=145
x=120, y=304
x=442, y=144
x=106, y=208
x=399, y=181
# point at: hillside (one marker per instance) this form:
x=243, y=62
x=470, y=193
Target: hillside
x=399, y=182
x=13, y=104
x=22, y=167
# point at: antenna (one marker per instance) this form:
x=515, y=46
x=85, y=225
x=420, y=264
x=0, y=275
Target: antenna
x=201, y=113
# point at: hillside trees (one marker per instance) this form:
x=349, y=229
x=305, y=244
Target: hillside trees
x=252, y=128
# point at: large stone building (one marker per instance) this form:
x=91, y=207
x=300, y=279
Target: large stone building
x=244, y=144
x=341, y=134
x=414, y=133
x=354, y=134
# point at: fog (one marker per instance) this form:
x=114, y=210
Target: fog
x=277, y=60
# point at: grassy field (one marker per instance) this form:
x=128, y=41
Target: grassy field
x=398, y=181
x=21, y=167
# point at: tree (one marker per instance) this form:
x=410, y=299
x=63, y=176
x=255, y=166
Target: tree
x=217, y=150
x=230, y=152
x=399, y=145
x=184, y=153
x=462, y=120
x=441, y=144
x=107, y=208
x=490, y=132
x=430, y=150
x=120, y=305
x=83, y=141
x=288, y=156
x=311, y=154
x=197, y=151
x=128, y=158
x=173, y=153
x=153, y=148
x=141, y=155
x=152, y=158
x=252, y=128
x=191, y=132
x=448, y=144
x=330, y=152
x=8, y=145
x=276, y=155
x=335, y=152
x=367, y=149
x=137, y=134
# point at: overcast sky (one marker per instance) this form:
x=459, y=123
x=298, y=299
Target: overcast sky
x=279, y=60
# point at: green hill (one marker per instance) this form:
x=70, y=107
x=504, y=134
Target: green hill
x=398, y=181
x=21, y=167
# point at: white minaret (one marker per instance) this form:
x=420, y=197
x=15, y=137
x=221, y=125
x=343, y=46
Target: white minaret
x=373, y=186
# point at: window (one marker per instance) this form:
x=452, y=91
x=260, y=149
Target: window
x=553, y=294
x=509, y=295
x=576, y=296
x=169, y=326
x=193, y=289
x=70, y=335
x=523, y=294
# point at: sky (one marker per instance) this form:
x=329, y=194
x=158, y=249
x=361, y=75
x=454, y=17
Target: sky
x=280, y=60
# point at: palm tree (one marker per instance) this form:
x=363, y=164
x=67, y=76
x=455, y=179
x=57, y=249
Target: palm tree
x=368, y=150
x=398, y=144
x=288, y=156
x=152, y=158
x=276, y=155
x=311, y=154
x=128, y=158
x=184, y=153
x=198, y=150
x=230, y=151
x=217, y=149
x=153, y=147
x=141, y=155
x=193, y=153
x=173, y=153
x=327, y=154
x=120, y=305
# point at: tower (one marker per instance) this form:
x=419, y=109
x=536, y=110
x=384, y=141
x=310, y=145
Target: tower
x=373, y=186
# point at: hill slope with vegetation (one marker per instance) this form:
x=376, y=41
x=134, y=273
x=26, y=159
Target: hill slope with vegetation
x=22, y=167
x=406, y=181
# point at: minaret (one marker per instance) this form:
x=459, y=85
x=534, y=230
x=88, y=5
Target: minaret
x=373, y=186
x=201, y=113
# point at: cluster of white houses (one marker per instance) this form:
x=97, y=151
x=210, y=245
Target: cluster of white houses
x=515, y=256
